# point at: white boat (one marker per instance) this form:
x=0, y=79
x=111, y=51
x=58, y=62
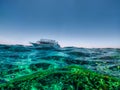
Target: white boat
x=46, y=43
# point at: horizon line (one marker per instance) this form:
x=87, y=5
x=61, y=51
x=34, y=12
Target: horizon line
x=60, y=45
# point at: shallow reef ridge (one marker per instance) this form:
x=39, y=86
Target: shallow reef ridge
x=68, y=78
x=68, y=68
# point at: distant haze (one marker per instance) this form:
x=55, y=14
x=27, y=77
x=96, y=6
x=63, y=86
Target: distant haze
x=81, y=23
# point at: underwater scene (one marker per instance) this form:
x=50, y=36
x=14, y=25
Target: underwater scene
x=47, y=66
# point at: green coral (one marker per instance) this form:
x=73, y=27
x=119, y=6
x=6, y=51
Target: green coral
x=71, y=77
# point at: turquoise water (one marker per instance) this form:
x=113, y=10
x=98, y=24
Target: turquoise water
x=17, y=61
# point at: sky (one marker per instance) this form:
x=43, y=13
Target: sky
x=80, y=23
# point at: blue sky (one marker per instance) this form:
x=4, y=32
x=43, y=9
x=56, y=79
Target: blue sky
x=81, y=23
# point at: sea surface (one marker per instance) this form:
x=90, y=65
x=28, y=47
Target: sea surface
x=18, y=60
